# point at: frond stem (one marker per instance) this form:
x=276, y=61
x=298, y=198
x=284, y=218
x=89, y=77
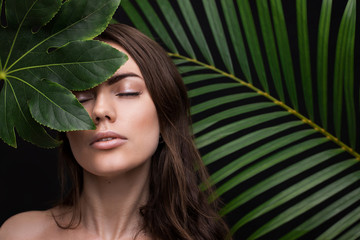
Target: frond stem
x=277, y=102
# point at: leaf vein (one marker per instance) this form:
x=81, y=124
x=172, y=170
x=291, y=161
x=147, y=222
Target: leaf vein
x=51, y=36
x=16, y=35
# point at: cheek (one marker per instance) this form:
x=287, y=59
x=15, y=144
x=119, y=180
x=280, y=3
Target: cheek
x=145, y=126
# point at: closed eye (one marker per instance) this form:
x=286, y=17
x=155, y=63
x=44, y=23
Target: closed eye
x=84, y=96
x=128, y=94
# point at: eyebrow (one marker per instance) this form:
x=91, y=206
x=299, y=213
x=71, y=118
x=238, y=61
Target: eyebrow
x=114, y=79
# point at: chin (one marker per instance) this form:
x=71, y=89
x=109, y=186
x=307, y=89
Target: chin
x=107, y=167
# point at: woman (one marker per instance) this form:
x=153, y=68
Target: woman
x=134, y=176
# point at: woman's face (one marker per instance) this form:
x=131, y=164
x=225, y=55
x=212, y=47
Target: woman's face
x=127, y=126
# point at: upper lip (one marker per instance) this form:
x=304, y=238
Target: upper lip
x=106, y=134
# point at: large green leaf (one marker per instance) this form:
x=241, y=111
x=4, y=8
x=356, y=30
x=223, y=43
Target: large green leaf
x=46, y=52
x=267, y=120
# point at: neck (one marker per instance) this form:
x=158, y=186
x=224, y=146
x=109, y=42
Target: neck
x=110, y=205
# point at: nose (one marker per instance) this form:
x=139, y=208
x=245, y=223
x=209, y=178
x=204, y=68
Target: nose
x=103, y=110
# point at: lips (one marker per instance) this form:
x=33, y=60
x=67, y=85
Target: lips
x=107, y=140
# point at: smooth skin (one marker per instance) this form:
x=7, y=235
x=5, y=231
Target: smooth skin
x=116, y=160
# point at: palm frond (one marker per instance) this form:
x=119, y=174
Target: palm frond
x=322, y=59
x=304, y=55
x=344, y=72
x=273, y=146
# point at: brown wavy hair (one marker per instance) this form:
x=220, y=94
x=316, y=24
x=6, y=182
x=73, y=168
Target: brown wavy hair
x=176, y=208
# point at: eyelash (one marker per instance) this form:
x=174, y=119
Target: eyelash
x=83, y=101
x=128, y=94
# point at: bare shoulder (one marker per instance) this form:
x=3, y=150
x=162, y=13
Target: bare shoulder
x=27, y=225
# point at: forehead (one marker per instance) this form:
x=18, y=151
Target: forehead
x=130, y=65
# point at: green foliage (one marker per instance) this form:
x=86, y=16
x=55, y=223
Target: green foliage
x=47, y=52
x=268, y=124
